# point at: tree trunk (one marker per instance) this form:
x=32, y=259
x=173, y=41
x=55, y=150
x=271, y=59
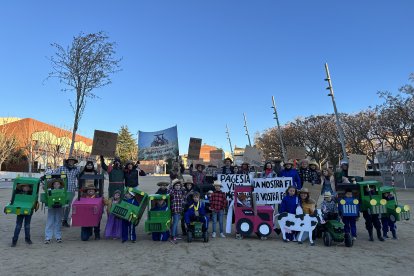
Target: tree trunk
x=75, y=128
x=1, y=164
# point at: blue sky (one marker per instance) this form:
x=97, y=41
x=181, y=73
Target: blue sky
x=201, y=64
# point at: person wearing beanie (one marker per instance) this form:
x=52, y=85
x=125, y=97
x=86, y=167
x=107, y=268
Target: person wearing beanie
x=116, y=175
x=289, y=171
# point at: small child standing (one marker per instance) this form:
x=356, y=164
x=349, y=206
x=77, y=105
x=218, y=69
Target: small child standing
x=27, y=190
x=387, y=223
x=161, y=205
x=329, y=207
x=54, y=218
x=86, y=232
x=128, y=228
x=113, y=229
x=177, y=200
x=289, y=204
x=349, y=219
x=218, y=203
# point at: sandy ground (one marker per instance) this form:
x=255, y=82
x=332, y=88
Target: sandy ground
x=218, y=257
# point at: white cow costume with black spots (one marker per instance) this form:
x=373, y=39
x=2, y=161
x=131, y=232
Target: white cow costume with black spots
x=300, y=223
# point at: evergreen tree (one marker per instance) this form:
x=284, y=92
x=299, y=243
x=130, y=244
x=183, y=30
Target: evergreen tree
x=126, y=147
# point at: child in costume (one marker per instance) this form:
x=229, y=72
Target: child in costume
x=177, y=200
x=348, y=221
x=161, y=205
x=54, y=217
x=196, y=212
x=289, y=204
x=387, y=223
x=86, y=232
x=128, y=228
x=329, y=207
x=113, y=229
x=218, y=203
x=22, y=189
x=163, y=188
x=372, y=220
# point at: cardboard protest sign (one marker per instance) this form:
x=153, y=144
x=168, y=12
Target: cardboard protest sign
x=158, y=145
x=253, y=156
x=104, y=143
x=194, y=148
x=357, y=165
x=230, y=180
x=216, y=157
x=295, y=152
x=314, y=190
x=212, y=171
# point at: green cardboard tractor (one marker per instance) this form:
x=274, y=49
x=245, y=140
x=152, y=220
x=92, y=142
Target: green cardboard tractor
x=334, y=232
x=130, y=212
x=158, y=220
x=197, y=232
x=56, y=198
x=24, y=197
x=395, y=211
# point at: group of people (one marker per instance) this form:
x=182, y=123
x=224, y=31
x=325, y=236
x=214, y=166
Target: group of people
x=187, y=205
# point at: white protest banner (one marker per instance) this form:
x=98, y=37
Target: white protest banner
x=253, y=156
x=357, y=165
x=104, y=143
x=270, y=190
x=230, y=180
x=295, y=152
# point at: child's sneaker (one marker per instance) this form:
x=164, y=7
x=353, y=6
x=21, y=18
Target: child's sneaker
x=222, y=235
x=47, y=241
x=213, y=235
x=354, y=238
x=133, y=241
x=59, y=240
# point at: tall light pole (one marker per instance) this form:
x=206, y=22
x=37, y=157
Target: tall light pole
x=338, y=122
x=247, y=130
x=228, y=138
x=278, y=127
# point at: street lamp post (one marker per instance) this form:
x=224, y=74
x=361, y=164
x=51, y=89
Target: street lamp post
x=247, y=130
x=278, y=127
x=338, y=122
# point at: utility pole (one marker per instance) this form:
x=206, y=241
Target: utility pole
x=338, y=122
x=228, y=138
x=247, y=130
x=278, y=127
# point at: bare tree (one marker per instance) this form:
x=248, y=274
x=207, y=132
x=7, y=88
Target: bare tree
x=8, y=143
x=84, y=66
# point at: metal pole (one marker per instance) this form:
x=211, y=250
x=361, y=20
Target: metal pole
x=247, y=130
x=338, y=122
x=228, y=138
x=279, y=130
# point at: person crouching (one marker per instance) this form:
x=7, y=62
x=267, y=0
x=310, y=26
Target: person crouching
x=196, y=212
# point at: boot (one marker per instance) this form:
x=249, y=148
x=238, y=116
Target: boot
x=394, y=235
x=65, y=223
x=97, y=236
x=14, y=242
x=28, y=241
x=371, y=237
x=380, y=238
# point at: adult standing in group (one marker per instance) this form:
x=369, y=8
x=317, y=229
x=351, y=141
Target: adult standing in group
x=177, y=171
x=131, y=175
x=304, y=171
x=268, y=171
x=244, y=169
x=72, y=172
x=289, y=171
x=227, y=168
x=116, y=175
x=199, y=177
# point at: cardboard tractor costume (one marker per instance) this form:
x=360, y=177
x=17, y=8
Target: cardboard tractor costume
x=56, y=198
x=128, y=211
x=196, y=232
x=87, y=212
x=333, y=231
x=369, y=195
x=24, y=202
x=158, y=221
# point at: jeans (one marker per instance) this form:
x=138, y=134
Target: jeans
x=220, y=215
x=86, y=232
x=176, y=219
x=128, y=231
x=66, y=210
x=53, y=223
x=19, y=223
x=350, y=225
x=387, y=225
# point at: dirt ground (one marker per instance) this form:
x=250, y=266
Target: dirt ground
x=221, y=256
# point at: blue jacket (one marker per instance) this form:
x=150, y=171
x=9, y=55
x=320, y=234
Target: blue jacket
x=191, y=212
x=289, y=204
x=295, y=177
x=132, y=201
